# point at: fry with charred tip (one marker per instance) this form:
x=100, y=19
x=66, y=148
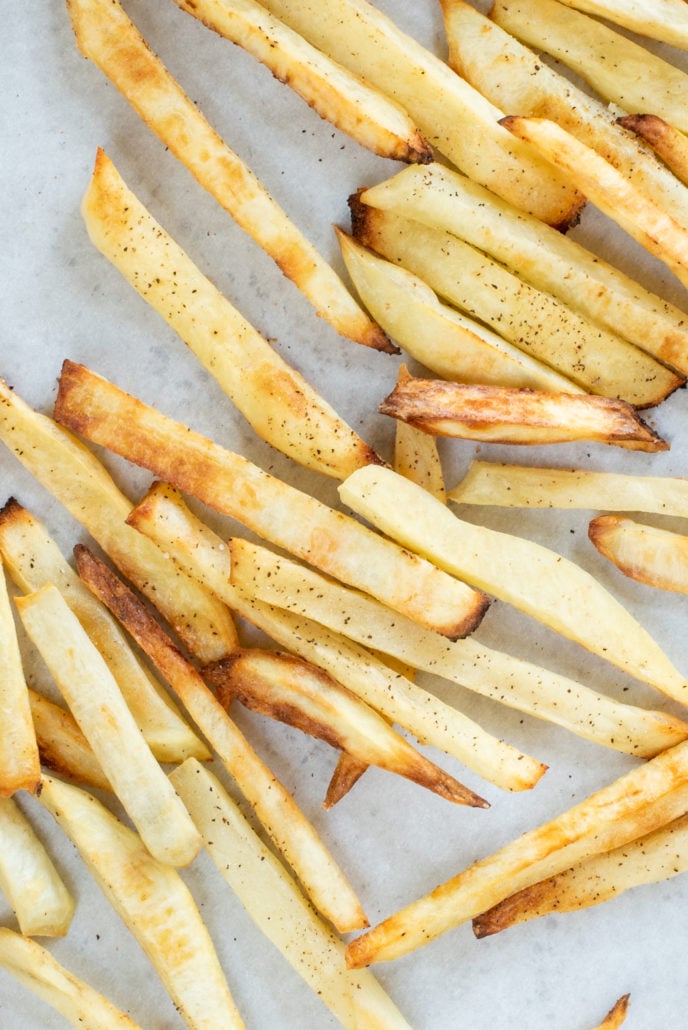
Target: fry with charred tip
x=616, y=1015
x=670, y=144
x=648, y=554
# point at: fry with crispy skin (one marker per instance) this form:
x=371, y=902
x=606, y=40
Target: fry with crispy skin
x=648, y=554
x=19, y=763
x=62, y=746
x=616, y=1015
x=668, y=143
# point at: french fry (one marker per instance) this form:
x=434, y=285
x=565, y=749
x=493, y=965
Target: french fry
x=535, y=579
x=275, y=399
x=154, y=903
x=62, y=746
x=76, y=1000
x=19, y=763
x=192, y=544
x=647, y=797
x=504, y=414
x=621, y=71
x=274, y=902
x=324, y=882
x=78, y=480
x=535, y=324
x=280, y=513
x=548, y=260
x=656, y=557
x=616, y=1015
x=446, y=341
x=452, y=116
x=34, y=560
x=666, y=20
x=652, y=858
x=346, y=775
x=417, y=457
x=524, y=486
x=284, y=687
x=97, y=704
x=29, y=879
x=668, y=143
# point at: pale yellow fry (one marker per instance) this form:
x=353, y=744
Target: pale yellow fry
x=666, y=20
x=270, y=507
x=668, y=143
x=63, y=747
x=656, y=557
x=78, y=480
x=616, y=1015
x=366, y=114
x=650, y=796
x=97, y=704
x=550, y=261
x=533, y=578
x=273, y=900
x=276, y=400
x=19, y=764
x=154, y=902
x=107, y=36
x=29, y=879
x=416, y=456
x=76, y=1000
x=34, y=559
x=452, y=116
x=621, y=71
x=525, y=486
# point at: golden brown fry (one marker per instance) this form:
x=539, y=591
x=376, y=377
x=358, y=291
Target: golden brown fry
x=668, y=143
x=281, y=514
x=346, y=775
x=657, y=557
x=274, y=398
x=416, y=456
x=107, y=36
x=62, y=746
x=616, y=1015
x=19, y=763
x=500, y=414
x=665, y=20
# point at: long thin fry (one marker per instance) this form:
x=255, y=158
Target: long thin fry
x=648, y=554
x=666, y=20
x=19, y=763
x=668, y=143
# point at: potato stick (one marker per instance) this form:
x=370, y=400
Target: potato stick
x=19, y=763
x=524, y=486
x=76, y=1000
x=618, y=1012
x=284, y=687
x=548, y=260
x=665, y=20
x=505, y=414
x=649, y=796
x=649, y=859
x=199, y=550
x=446, y=341
x=518, y=684
x=34, y=560
x=274, y=398
x=29, y=879
x=62, y=746
x=346, y=775
x=417, y=457
x=670, y=144
x=274, y=902
x=106, y=36
x=532, y=322
x=621, y=71
x=96, y=703
x=77, y=479
x=656, y=557
x=533, y=578
x=366, y=114
x=274, y=806
x=154, y=903
x=452, y=116
x=280, y=513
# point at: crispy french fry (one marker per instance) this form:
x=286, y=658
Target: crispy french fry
x=535, y=324
x=280, y=513
x=274, y=398
x=76, y=1000
x=78, y=480
x=106, y=36
x=523, y=486
x=287, y=688
x=535, y=579
x=452, y=116
x=417, y=457
x=647, y=797
x=324, y=882
x=446, y=341
x=29, y=879
x=657, y=557
x=34, y=560
x=97, y=704
x=19, y=763
x=154, y=902
x=503, y=414
x=62, y=746
x=668, y=143
x=665, y=20
x=366, y=114
x=346, y=775
x=548, y=260
x=621, y=71
x=616, y=1015
x=274, y=902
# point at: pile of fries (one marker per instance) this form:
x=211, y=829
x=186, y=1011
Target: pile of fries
x=342, y=569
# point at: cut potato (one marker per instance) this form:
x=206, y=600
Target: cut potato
x=668, y=143
x=62, y=746
x=666, y=20
x=657, y=557
x=19, y=763
x=417, y=457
